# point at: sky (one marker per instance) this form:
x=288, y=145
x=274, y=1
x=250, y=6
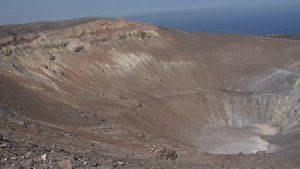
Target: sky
x=225, y=16
x=24, y=11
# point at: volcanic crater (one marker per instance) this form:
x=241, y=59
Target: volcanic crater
x=136, y=91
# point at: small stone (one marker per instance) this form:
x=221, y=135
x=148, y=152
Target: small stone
x=96, y=165
x=261, y=153
x=3, y=145
x=13, y=158
x=65, y=164
x=171, y=155
x=77, y=157
x=240, y=153
x=44, y=157
x=166, y=154
x=118, y=163
x=51, y=57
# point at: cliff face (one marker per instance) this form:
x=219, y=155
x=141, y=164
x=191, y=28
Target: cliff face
x=127, y=83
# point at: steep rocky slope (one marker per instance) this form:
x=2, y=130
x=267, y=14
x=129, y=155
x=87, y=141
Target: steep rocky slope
x=130, y=85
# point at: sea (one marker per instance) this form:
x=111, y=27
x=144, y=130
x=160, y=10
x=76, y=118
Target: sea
x=258, y=21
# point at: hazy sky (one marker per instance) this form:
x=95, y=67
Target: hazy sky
x=23, y=11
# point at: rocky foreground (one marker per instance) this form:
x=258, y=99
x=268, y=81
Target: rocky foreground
x=25, y=144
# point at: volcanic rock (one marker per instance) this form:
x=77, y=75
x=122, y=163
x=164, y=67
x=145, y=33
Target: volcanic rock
x=44, y=156
x=261, y=153
x=51, y=57
x=240, y=153
x=166, y=154
x=65, y=164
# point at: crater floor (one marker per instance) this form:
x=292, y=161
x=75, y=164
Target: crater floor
x=246, y=140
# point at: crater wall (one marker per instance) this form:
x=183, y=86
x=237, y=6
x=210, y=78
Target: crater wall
x=119, y=80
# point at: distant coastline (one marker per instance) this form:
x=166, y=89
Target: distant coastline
x=284, y=36
x=243, y=21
